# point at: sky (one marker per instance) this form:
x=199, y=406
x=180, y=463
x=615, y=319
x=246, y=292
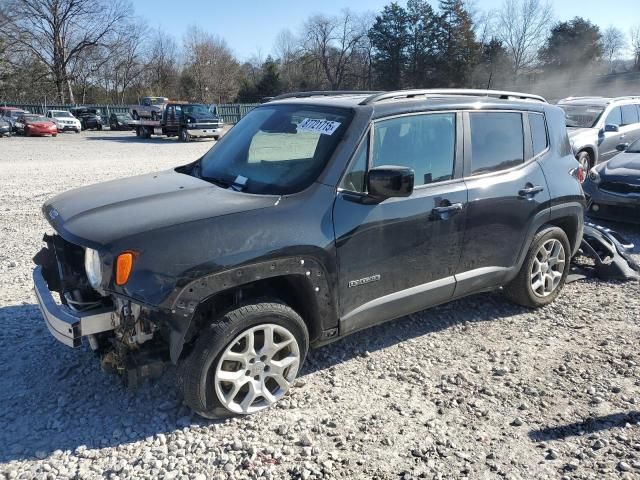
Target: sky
x=250, y=26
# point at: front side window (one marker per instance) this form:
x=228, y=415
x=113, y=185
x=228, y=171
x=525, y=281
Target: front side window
x=424, y=143
x=614, y=117
x=539, y=140
x=629, y=115
x=497, y=141
x=276, y=149
x=354, y=180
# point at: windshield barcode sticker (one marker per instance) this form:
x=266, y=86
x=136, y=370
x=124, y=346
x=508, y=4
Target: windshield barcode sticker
x=324, y=127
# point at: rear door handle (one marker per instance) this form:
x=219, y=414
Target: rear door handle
x=532, y=190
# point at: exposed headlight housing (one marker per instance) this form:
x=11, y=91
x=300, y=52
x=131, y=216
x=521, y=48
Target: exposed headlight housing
x=594, y=176
x=93, y=267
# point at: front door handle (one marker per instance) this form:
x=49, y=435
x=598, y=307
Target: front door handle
x=446, y=211
x=530, y=191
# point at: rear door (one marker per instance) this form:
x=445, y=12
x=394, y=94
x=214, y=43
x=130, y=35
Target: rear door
x=400, y=255
x=630, y=128
x=609, y=140
x=507, y=190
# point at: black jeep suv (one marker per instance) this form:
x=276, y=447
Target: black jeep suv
x=317, y=215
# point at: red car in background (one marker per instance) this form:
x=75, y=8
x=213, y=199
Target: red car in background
x=39, y=125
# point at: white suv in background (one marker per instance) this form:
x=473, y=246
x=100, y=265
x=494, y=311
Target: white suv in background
x=597, y=125
x=64, y=120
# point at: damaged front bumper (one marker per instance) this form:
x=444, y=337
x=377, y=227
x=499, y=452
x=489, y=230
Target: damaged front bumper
x=68, y=325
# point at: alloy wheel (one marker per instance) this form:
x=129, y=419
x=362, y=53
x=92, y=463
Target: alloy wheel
x=548, y=268
x=257, y=368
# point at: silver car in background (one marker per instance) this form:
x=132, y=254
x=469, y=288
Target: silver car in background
x=597, y=125
x=150, y=107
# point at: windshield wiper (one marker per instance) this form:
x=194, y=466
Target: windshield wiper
x=217, y=181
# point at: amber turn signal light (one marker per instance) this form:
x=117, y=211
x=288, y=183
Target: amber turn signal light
x=124, y=265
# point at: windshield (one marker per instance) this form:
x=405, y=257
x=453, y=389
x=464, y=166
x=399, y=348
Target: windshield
x=60, y=114
x=582, y=116
x=276, y=150
x=157, y=100
x=35, y=118
x=196, y=110
x=634, y=147
x=16, y=113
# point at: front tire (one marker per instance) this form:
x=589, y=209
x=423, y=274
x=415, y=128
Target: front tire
x=544, y=271
x=245, y=361
x=184, y=135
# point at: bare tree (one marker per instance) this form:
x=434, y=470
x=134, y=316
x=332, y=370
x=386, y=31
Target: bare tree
x=58, y=32
x=210, y=67
x=332, y=42
x=613, y=42
x=162, y=65
x=522, y=26
x=635, y=45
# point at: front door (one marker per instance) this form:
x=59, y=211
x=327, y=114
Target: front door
x=400, y=256
x=609, y=140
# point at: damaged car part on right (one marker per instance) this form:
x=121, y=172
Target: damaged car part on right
x=610, y=252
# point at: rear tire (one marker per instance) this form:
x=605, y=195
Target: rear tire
x=135, y=115
x=544, y=271
x=237, y=346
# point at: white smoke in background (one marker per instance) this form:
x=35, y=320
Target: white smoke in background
x=560, y=85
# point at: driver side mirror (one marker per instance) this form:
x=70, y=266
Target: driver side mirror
x=610, y=127
x=621, y=147
x=390, y=181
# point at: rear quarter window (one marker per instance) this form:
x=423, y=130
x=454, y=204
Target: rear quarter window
x=539, y=137
x=497, y=141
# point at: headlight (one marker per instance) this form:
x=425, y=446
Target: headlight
x=594, y=176
x=92, y=267
x=189, y=120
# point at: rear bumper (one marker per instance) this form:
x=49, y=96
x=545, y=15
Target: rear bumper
x=66, y=325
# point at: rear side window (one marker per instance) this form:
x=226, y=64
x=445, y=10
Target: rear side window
x=539, y=139
x=629, y=115
x=614, y=117
x=424, y=143
x=497, y=141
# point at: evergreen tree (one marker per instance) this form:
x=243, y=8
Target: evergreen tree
x=422, y=50
x=572, y=45
x=390, y=39
x=458, y=47
x=269, y=84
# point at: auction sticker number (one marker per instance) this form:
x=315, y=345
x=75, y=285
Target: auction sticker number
x=324, y=127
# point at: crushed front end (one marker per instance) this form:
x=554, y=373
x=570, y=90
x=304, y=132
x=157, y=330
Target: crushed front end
x=120, y=331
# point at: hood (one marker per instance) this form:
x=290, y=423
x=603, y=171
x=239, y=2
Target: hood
x=98, y=215
x=624, y=167
x=203, y=118
x=578, y=131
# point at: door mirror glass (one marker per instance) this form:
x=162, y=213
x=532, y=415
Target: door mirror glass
x=390, y=181
x=621, y=147
x=609, y=127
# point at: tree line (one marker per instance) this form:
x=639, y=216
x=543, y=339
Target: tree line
x=98, y=51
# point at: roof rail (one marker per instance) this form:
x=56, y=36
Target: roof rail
x=323, y=93
x=581, y=97
x=451, y=92
x=627, y=97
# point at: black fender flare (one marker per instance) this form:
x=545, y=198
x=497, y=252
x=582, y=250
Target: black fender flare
x=304, y=268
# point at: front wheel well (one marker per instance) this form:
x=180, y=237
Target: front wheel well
x=294, y=291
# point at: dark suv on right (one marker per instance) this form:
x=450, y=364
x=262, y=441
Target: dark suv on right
x=319, y=214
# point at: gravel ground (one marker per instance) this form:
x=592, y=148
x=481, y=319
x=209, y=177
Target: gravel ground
x=475, y=389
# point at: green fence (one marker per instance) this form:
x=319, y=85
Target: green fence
x=233, y=112
x=230, y=112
